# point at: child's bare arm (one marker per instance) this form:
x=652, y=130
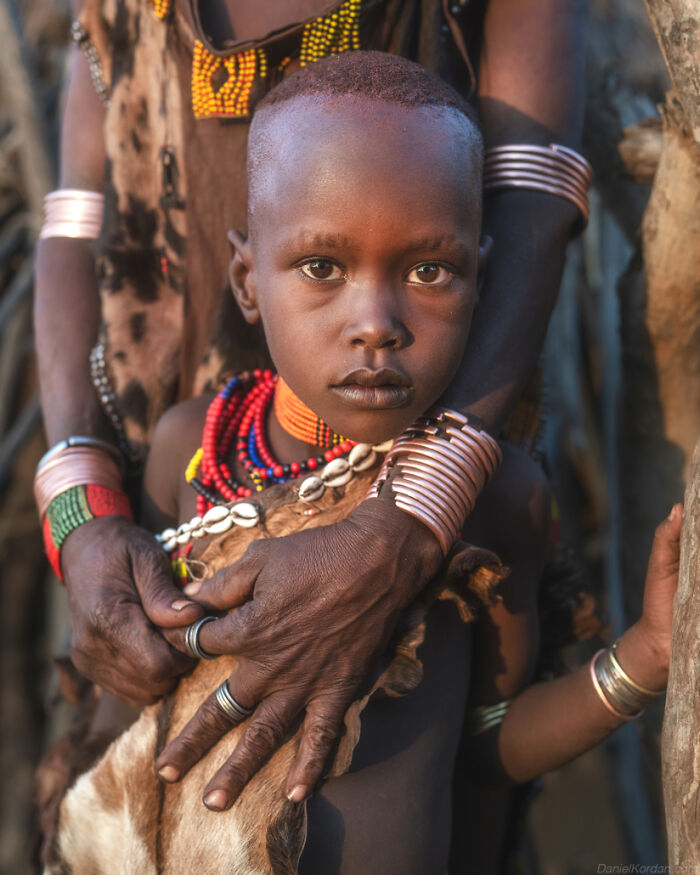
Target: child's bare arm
x=551, y=723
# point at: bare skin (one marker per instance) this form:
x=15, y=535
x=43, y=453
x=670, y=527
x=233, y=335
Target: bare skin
x=67, y=307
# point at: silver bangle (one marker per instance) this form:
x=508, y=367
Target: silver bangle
x=72, y=212
x=484, y=717
x=82, y=441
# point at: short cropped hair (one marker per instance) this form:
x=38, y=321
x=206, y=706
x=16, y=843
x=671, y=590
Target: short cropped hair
x=372, y=75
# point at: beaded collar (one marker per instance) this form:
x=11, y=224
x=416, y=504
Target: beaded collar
x=226, y=83
x=236, y=420
x=238, y=413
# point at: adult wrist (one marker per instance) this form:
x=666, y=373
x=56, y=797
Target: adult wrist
x=77, y=480
x=436, y=470
x=509, y=211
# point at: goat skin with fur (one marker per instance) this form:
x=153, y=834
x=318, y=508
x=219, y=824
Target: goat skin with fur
x=119, y=817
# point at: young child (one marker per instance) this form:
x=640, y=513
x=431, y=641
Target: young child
x=361, y=262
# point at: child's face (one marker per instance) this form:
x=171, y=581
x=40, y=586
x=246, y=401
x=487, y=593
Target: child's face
x=362, y=258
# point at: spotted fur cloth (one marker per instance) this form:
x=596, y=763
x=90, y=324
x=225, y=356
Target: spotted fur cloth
x=118, y=817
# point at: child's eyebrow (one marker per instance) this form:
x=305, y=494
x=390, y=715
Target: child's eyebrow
x=443, y=241
x=313, y=238
x=307, y=238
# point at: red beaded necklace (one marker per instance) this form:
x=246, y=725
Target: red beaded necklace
x=238, y=413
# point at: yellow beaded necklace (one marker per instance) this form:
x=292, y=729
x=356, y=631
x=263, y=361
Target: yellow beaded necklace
x=221, y=86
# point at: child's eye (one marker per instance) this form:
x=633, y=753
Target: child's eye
x=428, y=274
x=321, y=269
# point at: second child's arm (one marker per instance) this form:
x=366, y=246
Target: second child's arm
x=549, y=724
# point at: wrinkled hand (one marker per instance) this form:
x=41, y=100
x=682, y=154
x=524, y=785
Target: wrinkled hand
x=114, y=571
x=317, y=608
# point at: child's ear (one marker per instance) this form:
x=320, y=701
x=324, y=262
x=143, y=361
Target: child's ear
x=485, y=247
x=241, y=277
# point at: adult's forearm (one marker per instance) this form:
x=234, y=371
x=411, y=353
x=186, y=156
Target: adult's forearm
x=530, y=91
x=529, y=232
x=66, y=323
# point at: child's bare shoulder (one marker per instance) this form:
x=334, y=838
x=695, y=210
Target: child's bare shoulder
x=176, y=438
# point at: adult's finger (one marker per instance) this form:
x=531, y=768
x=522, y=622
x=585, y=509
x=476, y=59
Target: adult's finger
x=141, y=658
x=202, y=732
x=263, y=735
x=234, y=585
x=320, y=732
x=231, y=634
x=163, y=602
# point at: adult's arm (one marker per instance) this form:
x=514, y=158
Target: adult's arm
x=340, y=589
x=112, y=569
x=530, y=91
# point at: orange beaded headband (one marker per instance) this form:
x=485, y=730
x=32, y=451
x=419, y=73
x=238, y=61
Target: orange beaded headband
x=300, y=421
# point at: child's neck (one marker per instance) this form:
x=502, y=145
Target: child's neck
x=285, y=446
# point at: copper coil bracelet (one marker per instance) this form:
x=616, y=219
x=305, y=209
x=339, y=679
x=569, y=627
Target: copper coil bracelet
x=436, y=470
x=552, y=169
x=75, y=462
x=70, y=212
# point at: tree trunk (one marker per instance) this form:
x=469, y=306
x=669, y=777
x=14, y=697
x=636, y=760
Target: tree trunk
x=680, y=750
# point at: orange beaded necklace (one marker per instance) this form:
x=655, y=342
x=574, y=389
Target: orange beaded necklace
x=300, y=421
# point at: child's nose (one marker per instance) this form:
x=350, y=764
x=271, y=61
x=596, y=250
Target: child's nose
x=375, y=323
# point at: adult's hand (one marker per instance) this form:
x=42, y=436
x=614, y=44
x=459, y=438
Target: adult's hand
x=317, y=609
x=119, y=584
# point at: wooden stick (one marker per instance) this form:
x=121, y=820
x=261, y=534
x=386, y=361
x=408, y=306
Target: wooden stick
x=680, y=746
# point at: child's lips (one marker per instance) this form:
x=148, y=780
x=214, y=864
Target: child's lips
x=382, y=397
x=368, y=389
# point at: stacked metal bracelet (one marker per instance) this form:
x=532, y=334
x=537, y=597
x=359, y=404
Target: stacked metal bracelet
x=70, y=212
x=484, y=717
x=552, y=169
x=622, y=696
x=76, y=481
x=436, y=470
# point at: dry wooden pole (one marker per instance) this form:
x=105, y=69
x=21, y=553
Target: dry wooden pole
x=676, y=24
x=680, y=744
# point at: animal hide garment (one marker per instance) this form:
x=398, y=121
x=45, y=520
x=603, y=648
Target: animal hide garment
x=118, y=817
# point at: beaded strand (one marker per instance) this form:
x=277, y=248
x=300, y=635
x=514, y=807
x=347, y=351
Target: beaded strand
x=230, y=98
x=300, y=421
x=239, y=413
x=222, y=86
x=331, y=34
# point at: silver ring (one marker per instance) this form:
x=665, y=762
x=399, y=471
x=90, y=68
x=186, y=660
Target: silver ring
x=231, y=708
x=192, y=645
